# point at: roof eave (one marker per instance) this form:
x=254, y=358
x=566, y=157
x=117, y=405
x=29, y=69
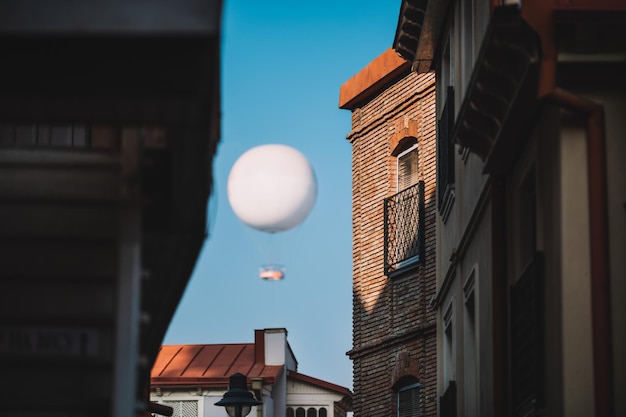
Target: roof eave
x=419, y=28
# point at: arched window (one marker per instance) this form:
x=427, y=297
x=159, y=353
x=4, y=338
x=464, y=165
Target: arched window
x=311, y=412
x=323, y=412
x=300, y=412
x=409, y=404
x=290, y=412
x=408, y=168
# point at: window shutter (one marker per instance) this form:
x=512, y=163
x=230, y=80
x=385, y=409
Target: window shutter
x=183, y=408
x=445, y=150
x=409, y=402
x=407, y=169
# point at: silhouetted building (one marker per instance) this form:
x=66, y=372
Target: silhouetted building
x=393, y=215
x=109, y=121
x=530, y=199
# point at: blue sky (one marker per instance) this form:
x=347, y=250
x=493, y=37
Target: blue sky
x=282, y=65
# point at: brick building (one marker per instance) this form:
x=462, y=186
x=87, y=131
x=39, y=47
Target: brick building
x=394, y=209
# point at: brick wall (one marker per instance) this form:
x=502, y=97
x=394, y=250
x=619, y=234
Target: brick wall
x=394, y=330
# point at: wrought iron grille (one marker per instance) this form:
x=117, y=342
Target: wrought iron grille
x=404, y=228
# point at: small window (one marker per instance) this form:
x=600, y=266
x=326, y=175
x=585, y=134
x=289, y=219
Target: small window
x=449, y=354
x=445, y=156
x=300, y=412
x=408, y=168
x=409, y=401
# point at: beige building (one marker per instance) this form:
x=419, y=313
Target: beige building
x=531, y=229
x=190, y=379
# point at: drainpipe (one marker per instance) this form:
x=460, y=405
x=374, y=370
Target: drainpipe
x=599, y=236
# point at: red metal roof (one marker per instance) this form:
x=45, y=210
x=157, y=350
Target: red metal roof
x=208, y=365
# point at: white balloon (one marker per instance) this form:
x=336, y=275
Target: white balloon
x=272, y=188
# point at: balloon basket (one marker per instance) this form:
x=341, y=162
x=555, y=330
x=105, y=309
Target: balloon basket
x=272, y=272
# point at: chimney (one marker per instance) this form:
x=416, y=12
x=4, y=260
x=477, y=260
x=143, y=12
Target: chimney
x=259, y=346
x=275, y=346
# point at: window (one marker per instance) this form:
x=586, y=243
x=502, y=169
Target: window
x=448, y=346
x=309, y=412
x=527, y=340
x=447, y=402
x=409, y=401
x=445, y=156
x=404, y=215
x=183, y=408
x=43, y=135
x=470, y=348
x=404, y=228
x=408, y=168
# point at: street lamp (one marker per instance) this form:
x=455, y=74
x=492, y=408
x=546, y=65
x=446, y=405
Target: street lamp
x=238, y=400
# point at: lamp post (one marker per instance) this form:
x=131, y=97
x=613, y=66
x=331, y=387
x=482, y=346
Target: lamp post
x=238, y=401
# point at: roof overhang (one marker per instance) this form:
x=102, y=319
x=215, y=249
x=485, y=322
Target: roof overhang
x=501, y=95
x=371, y=80
x=419, y=28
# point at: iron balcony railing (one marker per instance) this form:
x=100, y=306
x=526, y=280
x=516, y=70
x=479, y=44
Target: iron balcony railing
x=404, y=228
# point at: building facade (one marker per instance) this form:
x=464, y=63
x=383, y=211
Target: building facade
x=394, y=254
x=109, y=121
x=190, y=379
x=531, y=190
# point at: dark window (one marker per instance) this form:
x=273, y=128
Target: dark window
x=290, y=412
x=300, y=412
x=445, y=153
x=409, y=401
x=311, y=412
x=42, y=135
x=447, y=402
x=527, y=340
x=323, y=412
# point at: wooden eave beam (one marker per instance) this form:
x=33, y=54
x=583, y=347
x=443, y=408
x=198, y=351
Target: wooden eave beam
x=501, y=91
x=418, y=32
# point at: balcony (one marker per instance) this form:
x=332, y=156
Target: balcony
x=404, y=229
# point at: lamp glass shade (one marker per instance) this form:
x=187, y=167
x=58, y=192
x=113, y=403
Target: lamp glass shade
x=232, y=410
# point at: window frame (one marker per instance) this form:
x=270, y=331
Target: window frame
x=415, y=385
x=446, y=156
x=412, y=149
